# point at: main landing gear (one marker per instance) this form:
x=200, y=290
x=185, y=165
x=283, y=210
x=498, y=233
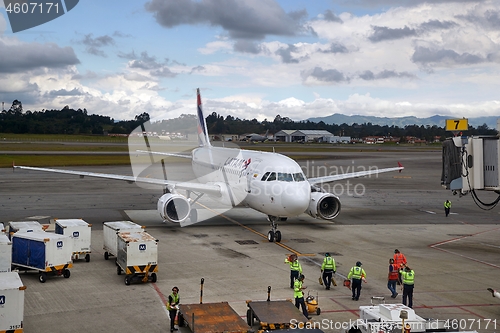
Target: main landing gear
x=274, y=235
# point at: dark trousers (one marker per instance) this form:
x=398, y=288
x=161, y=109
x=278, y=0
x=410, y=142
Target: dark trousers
x=172, y=314
x=447, y=211
x=391, y=285
x=356, y=288
x=293, y=275
x=408, y=293
x=299, y=301
x=327, y=277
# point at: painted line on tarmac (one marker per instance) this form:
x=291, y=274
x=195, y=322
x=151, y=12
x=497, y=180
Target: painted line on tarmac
x=162, y=297
x=258, y=233
x=436, y=246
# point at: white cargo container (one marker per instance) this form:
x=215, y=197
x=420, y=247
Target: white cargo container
x=26, y=226
x=45, y=252
x=137, y=256
x=2, y=228
x=80, y=233
x=11, y=302
x=5, y=254
x=109, y=230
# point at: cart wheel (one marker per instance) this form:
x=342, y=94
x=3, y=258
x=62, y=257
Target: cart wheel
x=42, y=277
x=270, y=236
x=153, y=277
x=181, y=320
x=249, y=317
x=87, y=257
x=66, y=273
x=277, y=235
x=106, y=255
x=118, y=270
x=127, y=280
x=318, y=311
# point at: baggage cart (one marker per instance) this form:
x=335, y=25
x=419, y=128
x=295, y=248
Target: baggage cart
x=211, y=317
x=80, y=233
x=26, y=226
x=11, y=303
x=272, y=315
x=137, y=256
x=45, y=252
x=5, y=254
x=109, y=230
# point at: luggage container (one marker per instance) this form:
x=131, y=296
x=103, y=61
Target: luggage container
x=80, y=233
x=5, y=254
x=137, y=256
x=11, y=303
x=109, y=230
x=26, y=226
x=45, y=252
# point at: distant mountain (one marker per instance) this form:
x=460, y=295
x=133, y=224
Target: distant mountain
x=437, y=120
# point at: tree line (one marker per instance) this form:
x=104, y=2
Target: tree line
x=71, y=121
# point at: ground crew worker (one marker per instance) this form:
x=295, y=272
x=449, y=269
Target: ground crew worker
x=400, y=262
x=328, y=268
x=408, y=276
x=298, y=294
x=173, y=301
x=295, y=268
x=447, y=207
x=392, y=278
x=356, y=273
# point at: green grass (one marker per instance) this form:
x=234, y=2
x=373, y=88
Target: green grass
x=61, y=138
x=62, y=160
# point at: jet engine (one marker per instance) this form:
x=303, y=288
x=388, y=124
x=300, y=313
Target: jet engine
x=174, y=207
x=324, y=206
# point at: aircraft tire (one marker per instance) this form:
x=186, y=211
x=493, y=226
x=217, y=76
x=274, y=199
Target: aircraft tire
x=270, y=236
x=277, y=236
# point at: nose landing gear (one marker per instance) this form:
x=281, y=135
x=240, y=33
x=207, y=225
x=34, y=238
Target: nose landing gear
x=274, y=235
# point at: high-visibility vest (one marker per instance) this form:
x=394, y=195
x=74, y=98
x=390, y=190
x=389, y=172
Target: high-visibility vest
x=328, y=263
x=447, y=204
x=297, y=291
x=356, y=273
x=295, y=266
x=175, y=300
x=408, y=277
x=394, y=274
x=399, y=259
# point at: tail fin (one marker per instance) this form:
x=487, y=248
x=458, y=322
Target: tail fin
x=203, y=138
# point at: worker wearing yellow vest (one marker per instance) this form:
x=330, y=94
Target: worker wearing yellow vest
x=173, y=301
x=408, y=276
x=295, y=268
x=328, y=268
x=298, y=294
x=447, y=207
x=356, y=273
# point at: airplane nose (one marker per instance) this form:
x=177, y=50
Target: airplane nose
x=296, y=199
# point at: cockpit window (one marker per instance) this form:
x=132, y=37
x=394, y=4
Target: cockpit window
x=287, y=177
x=272, y=177
x=299, y=177
x=265, y=176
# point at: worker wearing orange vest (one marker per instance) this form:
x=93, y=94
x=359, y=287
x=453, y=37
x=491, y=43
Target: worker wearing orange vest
x=393, y=278
x=399, y=261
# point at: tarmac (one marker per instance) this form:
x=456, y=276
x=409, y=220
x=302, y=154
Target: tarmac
x=455, y=258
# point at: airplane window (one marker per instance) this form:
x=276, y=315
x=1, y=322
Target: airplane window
x=265, y=176
x=272, y=177
x=299, y=177
x=285, y=177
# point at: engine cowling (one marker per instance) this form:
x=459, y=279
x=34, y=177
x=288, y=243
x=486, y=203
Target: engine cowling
x=324, y=206
x=174, y=207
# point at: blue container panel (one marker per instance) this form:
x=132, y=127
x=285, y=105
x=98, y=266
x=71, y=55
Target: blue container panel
x=28, y=252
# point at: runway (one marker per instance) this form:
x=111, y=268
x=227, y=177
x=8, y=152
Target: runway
x=455, y=259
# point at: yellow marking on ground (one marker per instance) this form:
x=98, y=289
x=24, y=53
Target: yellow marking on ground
x=258, y=233
x=402, y=177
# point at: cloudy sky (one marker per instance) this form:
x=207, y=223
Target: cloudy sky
x=259, y=58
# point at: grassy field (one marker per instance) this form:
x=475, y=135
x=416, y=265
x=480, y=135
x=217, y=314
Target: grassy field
x=61, y=138
x=62, y=160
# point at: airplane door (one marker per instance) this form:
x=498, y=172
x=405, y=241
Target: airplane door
x=250, y=173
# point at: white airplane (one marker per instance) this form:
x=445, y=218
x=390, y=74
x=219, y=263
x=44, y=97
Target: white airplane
x=270, y=183
x=257, y=137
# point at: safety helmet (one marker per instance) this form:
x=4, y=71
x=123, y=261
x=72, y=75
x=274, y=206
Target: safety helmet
x=358, y=263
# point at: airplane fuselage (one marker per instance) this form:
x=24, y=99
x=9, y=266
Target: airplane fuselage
x=267, y=182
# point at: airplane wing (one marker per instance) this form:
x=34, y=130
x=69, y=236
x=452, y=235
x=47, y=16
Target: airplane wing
x=198, y=187
x=165, y=154
x=327, y=179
